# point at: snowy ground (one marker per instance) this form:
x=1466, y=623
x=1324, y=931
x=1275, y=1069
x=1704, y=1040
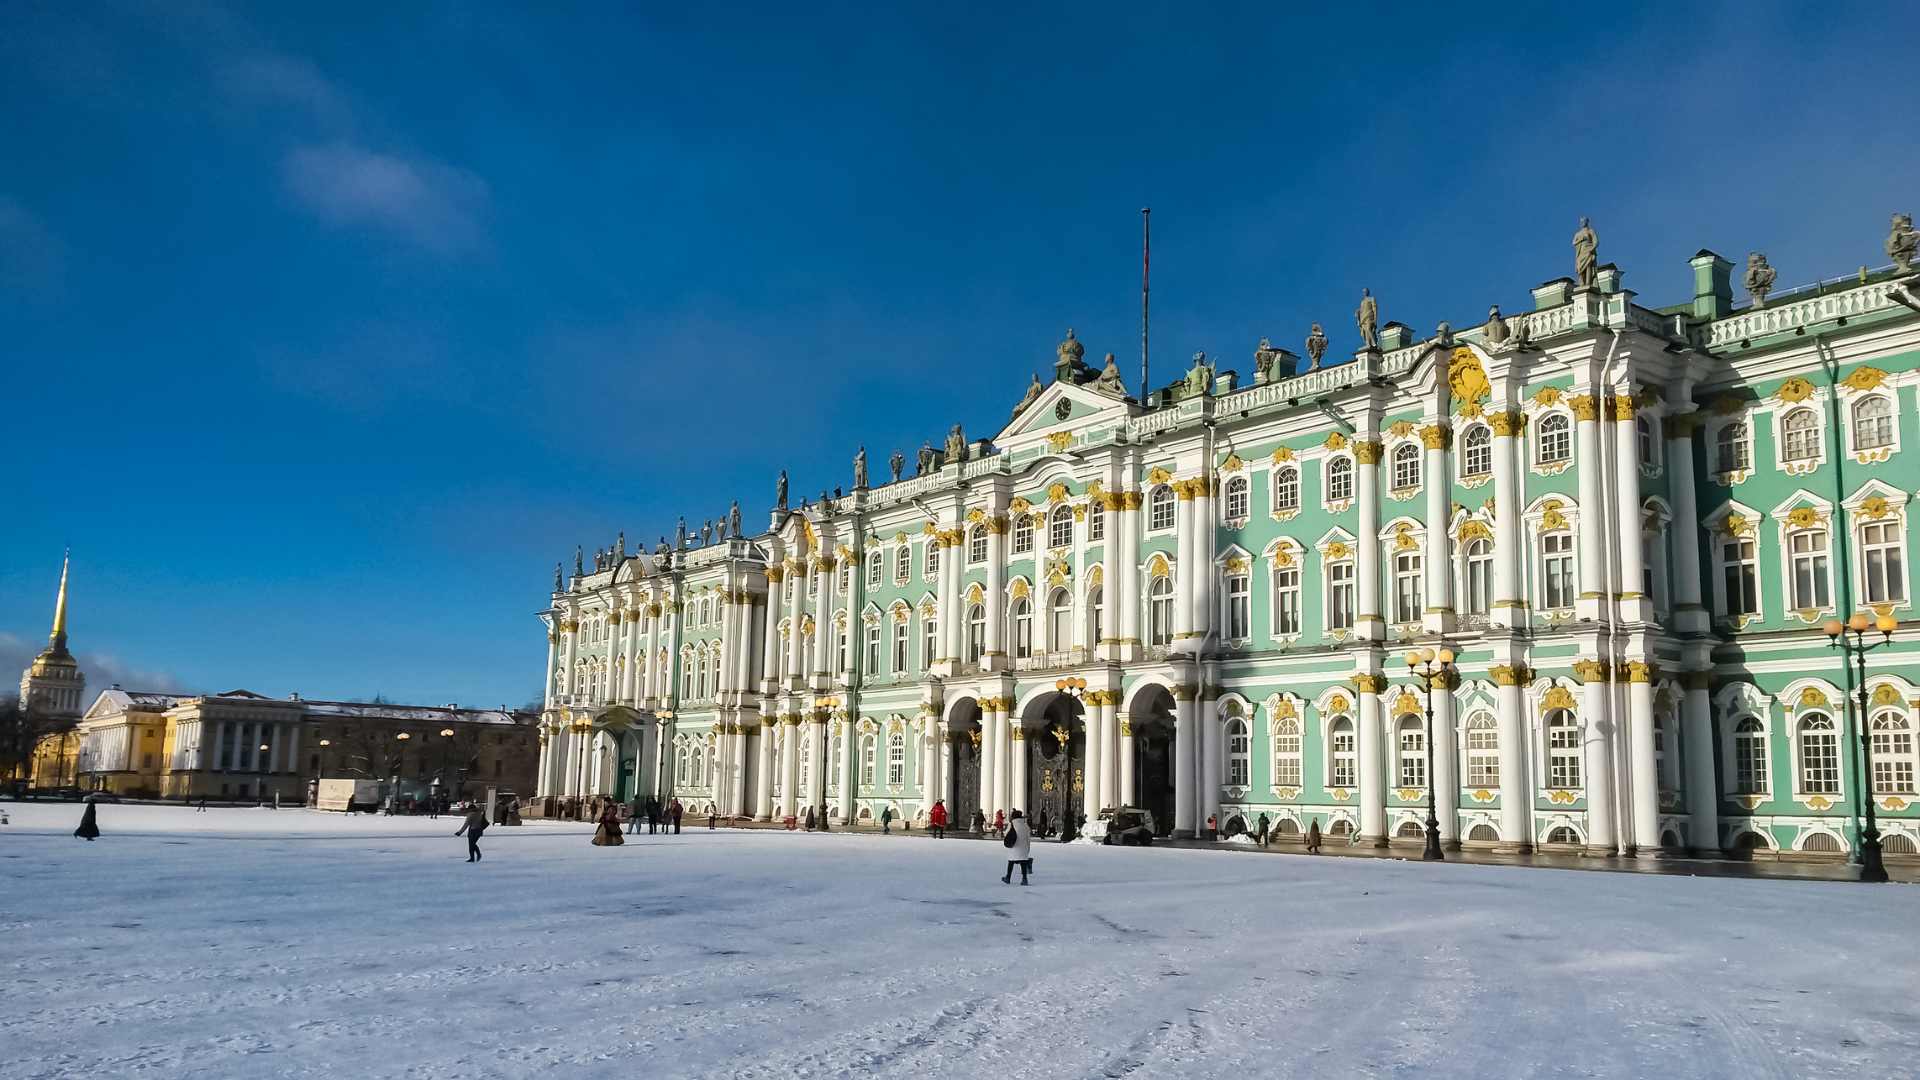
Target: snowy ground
x=256, y=943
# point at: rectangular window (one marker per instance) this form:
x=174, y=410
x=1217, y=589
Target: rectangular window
x=1483, y=755
x=929, y=640
x=896, y=760
x=1884, y=562
x=902, y=564
x=1096, y=520
x=1286, y=600
x=1556, y=570
x=1479, y=588
x=899, y=647
x=1563, y=756
x=1406, y=588
x=1343, y=773
x=1809, y=569
x=1239, y=608
x=1892, y=756
x=1741, y=580
x=1286, y=756
x=873, y=649
x=1340, y=595
x=873, y=568
x=1819, y=763
x=1413, y=757
x=1750, y=759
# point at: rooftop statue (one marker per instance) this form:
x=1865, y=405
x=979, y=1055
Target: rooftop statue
x=895, y=464
x=1495, y=332
x=956, y=444
x=925, y=462
x=860, y=469
x=733, y=518
x=1759, y=280
x=1110, y=380
x=1070, y=350
x=680, y=535
x=1316, y=347
x=1903, y=243
x=1367, y=318
x=706, y=533
x=1263, y=357
x=1586, y=247
x=557, y=586
x=1443, y=335
x=780, y=491
x=1033, y=392
x=579, y=561
x=1200, y=376
x=620, y=547
x=1522, y=339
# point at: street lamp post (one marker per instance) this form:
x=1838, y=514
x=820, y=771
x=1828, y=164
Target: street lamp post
x=1434, y=668
x=1851, y=637
x=260, y=775
x=320, y=772
x=446, y=741
x=399, y=766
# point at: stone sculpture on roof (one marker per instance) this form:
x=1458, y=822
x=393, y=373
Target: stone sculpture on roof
x=1903, y=242
x=1586, y=255
x=1759, y=279
x=1316, y=347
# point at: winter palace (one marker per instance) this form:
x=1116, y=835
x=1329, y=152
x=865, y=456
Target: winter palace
x=1629, y=523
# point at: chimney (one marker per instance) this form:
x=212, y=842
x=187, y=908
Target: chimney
x=1712, y=285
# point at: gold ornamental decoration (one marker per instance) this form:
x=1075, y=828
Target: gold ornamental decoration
x=1282, y=454
x=1335, y=441
x=1623, y=406
x=1338, y=703
x=1557, y=698
x=1588, y=671
x=1436, y=436
x=1507, y=422
x=1813, y=698
x=1400, y=429
x=1059, y=441
x=1875, y=507
x=1466, y=379
x=1584, y=407
x=1158, y=475
x=1794, y=390
x=1547, y=396
x=1367, y=451
x=1864, y=379
x=1804, y=517
x=1551, y=519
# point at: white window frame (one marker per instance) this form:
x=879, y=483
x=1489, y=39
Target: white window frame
x=1405, y=468
x=896, y=759
x=1481, y=742
x=1564, y=749
x=1832, y=783
x=1343, y=758
x=1476, y=441
x=1288, y=767
x=1544, y=560
x=1022, y=534
x=1895, y=766
x=1060, y=529
x=1239, y=772
x=1874, y=588
x=1158, y=500
x=1160, y=611
x=1059, y=620
x=1553, y=446
x=1819, y=576
x=1338, y=479
x=1021, y=620
x=1751, y=746
x=1096, y=521
x=1340, y=577
x=976, y=545
x=1476, y=576
x=1284, y=584
x=1237, y=500
x=1285, y=491
x=1410, y=748
x=1891, y=420
x=1810, y=437
x=1238, y=600
x=1409, y=585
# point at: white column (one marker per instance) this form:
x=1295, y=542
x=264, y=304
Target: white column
x=1597, y=736
x=1203, y=583
x=1124, y=572
x=1516, y=788
x=929, y=768
x=1110, y=762
x=553, y=654
x=1446, y=761
x=789, y=764
x=1368, y=624
x=763, y=773
x=1186, y=723
x=1634, y=604
x=737, y=796
x=953, y=615
x=824, y=633
x=796, y=612
x=996, y=651
x=1593, y=508
x=1507, y=608
x=657, y=673
x=991, y=728
x=1703, y=795
x=1186, y=576
x=1003, y=767
x=1438, y=557
x=1126, y=761
x=544, y=784
x=1017, y=751
x=1212, y=760
x=1684, y=571
x=1644, y=785
x=1373, y=777
x=817, y=776
x=1092, y=718
x=770, y=643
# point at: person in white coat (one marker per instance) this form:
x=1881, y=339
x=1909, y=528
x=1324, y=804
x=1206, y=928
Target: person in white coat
x=1019, y=844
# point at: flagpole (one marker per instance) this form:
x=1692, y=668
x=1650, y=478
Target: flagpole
x=1146, y=262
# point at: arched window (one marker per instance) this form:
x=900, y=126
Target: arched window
x=869, y=760
x=1096, y=519
x=1342, y=770
x=1286, y=489
x=933, y=557
x=1872, y=423
x=1239, y=753
x=1800, y=435
x=1096, y=616
x=1476, y=451
x=896, y=759
x=899, y=646
x=1563, y=750
x=1286, y=753
x=1733, y=451
x=1022, y=534
x=1406, y=467
x=836, y=748
x=874, y=567
x=1483, y=751
x=1478, y=589
x=1237, y=501
x=1807, y=550
x=681, y=762
x=902, y=564
x=873, y=647
x=977, y=544
x=1553, y=441
x=1893, y=757
x=1750, y=757
x=1819, y=755
x=1160, y=612
x=1413, y=753
x=1160, y=509
x=1286, y=594
x=686, y=674
x=1060, y=621
x=1340, y=479
x=1060, y=528
x=1239, y=602
x=1022, y=620
x=779, y=784
x=976, y=632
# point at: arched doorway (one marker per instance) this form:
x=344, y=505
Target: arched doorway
x=963, y=763
x=1150, y=717
x=626, y=772
x=1056, y=749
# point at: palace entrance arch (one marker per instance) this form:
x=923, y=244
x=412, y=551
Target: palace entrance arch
x=963, y=763
x=1149, y=716
x=1056, y=747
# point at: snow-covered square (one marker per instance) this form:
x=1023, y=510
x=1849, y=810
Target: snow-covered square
x=258, y=943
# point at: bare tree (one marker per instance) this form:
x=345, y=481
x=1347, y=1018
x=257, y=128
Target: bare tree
x=22, y=731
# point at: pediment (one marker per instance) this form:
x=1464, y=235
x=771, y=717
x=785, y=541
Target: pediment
x=1061, y=407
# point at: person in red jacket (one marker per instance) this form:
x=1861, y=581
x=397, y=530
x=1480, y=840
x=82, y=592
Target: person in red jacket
x=937, y=819
x=999, y=821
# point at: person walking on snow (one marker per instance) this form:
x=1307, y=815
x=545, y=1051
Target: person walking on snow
x=633, y=822
x=937, y=819
x=608, y=832
x=89, y=829
x=476, y=824
x=1313, y=837
x=677, y=811
x=1019, y=844
x=999, y=820
x=886, y=820
x=1263, y=830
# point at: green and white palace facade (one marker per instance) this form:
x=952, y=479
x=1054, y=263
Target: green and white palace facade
x=1629, y=523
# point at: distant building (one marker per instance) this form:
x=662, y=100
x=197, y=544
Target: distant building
x=245, y=745
x=52, y=689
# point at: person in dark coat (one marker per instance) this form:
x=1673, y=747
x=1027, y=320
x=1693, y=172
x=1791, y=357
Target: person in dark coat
x=633, y=821
x=1313, y=837
x=653, y=815
x=475, y=824
x=979, y=822
x=89, y=828
x=1263, y=830
x=677, y=811
x=886, y=820
x=806, y=819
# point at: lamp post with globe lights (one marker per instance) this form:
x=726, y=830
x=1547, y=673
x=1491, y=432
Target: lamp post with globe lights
x=1851, y=637
x=1435, y=669
x=261, y=775
x=399, y=765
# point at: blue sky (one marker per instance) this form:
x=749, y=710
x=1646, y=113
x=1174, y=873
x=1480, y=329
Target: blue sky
x=329, y=330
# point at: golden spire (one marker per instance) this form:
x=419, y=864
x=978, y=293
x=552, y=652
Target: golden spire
x=59, y=635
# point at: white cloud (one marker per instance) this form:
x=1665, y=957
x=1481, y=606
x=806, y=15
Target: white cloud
x=437, y=206
x=102, y=670
x=278, y=79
